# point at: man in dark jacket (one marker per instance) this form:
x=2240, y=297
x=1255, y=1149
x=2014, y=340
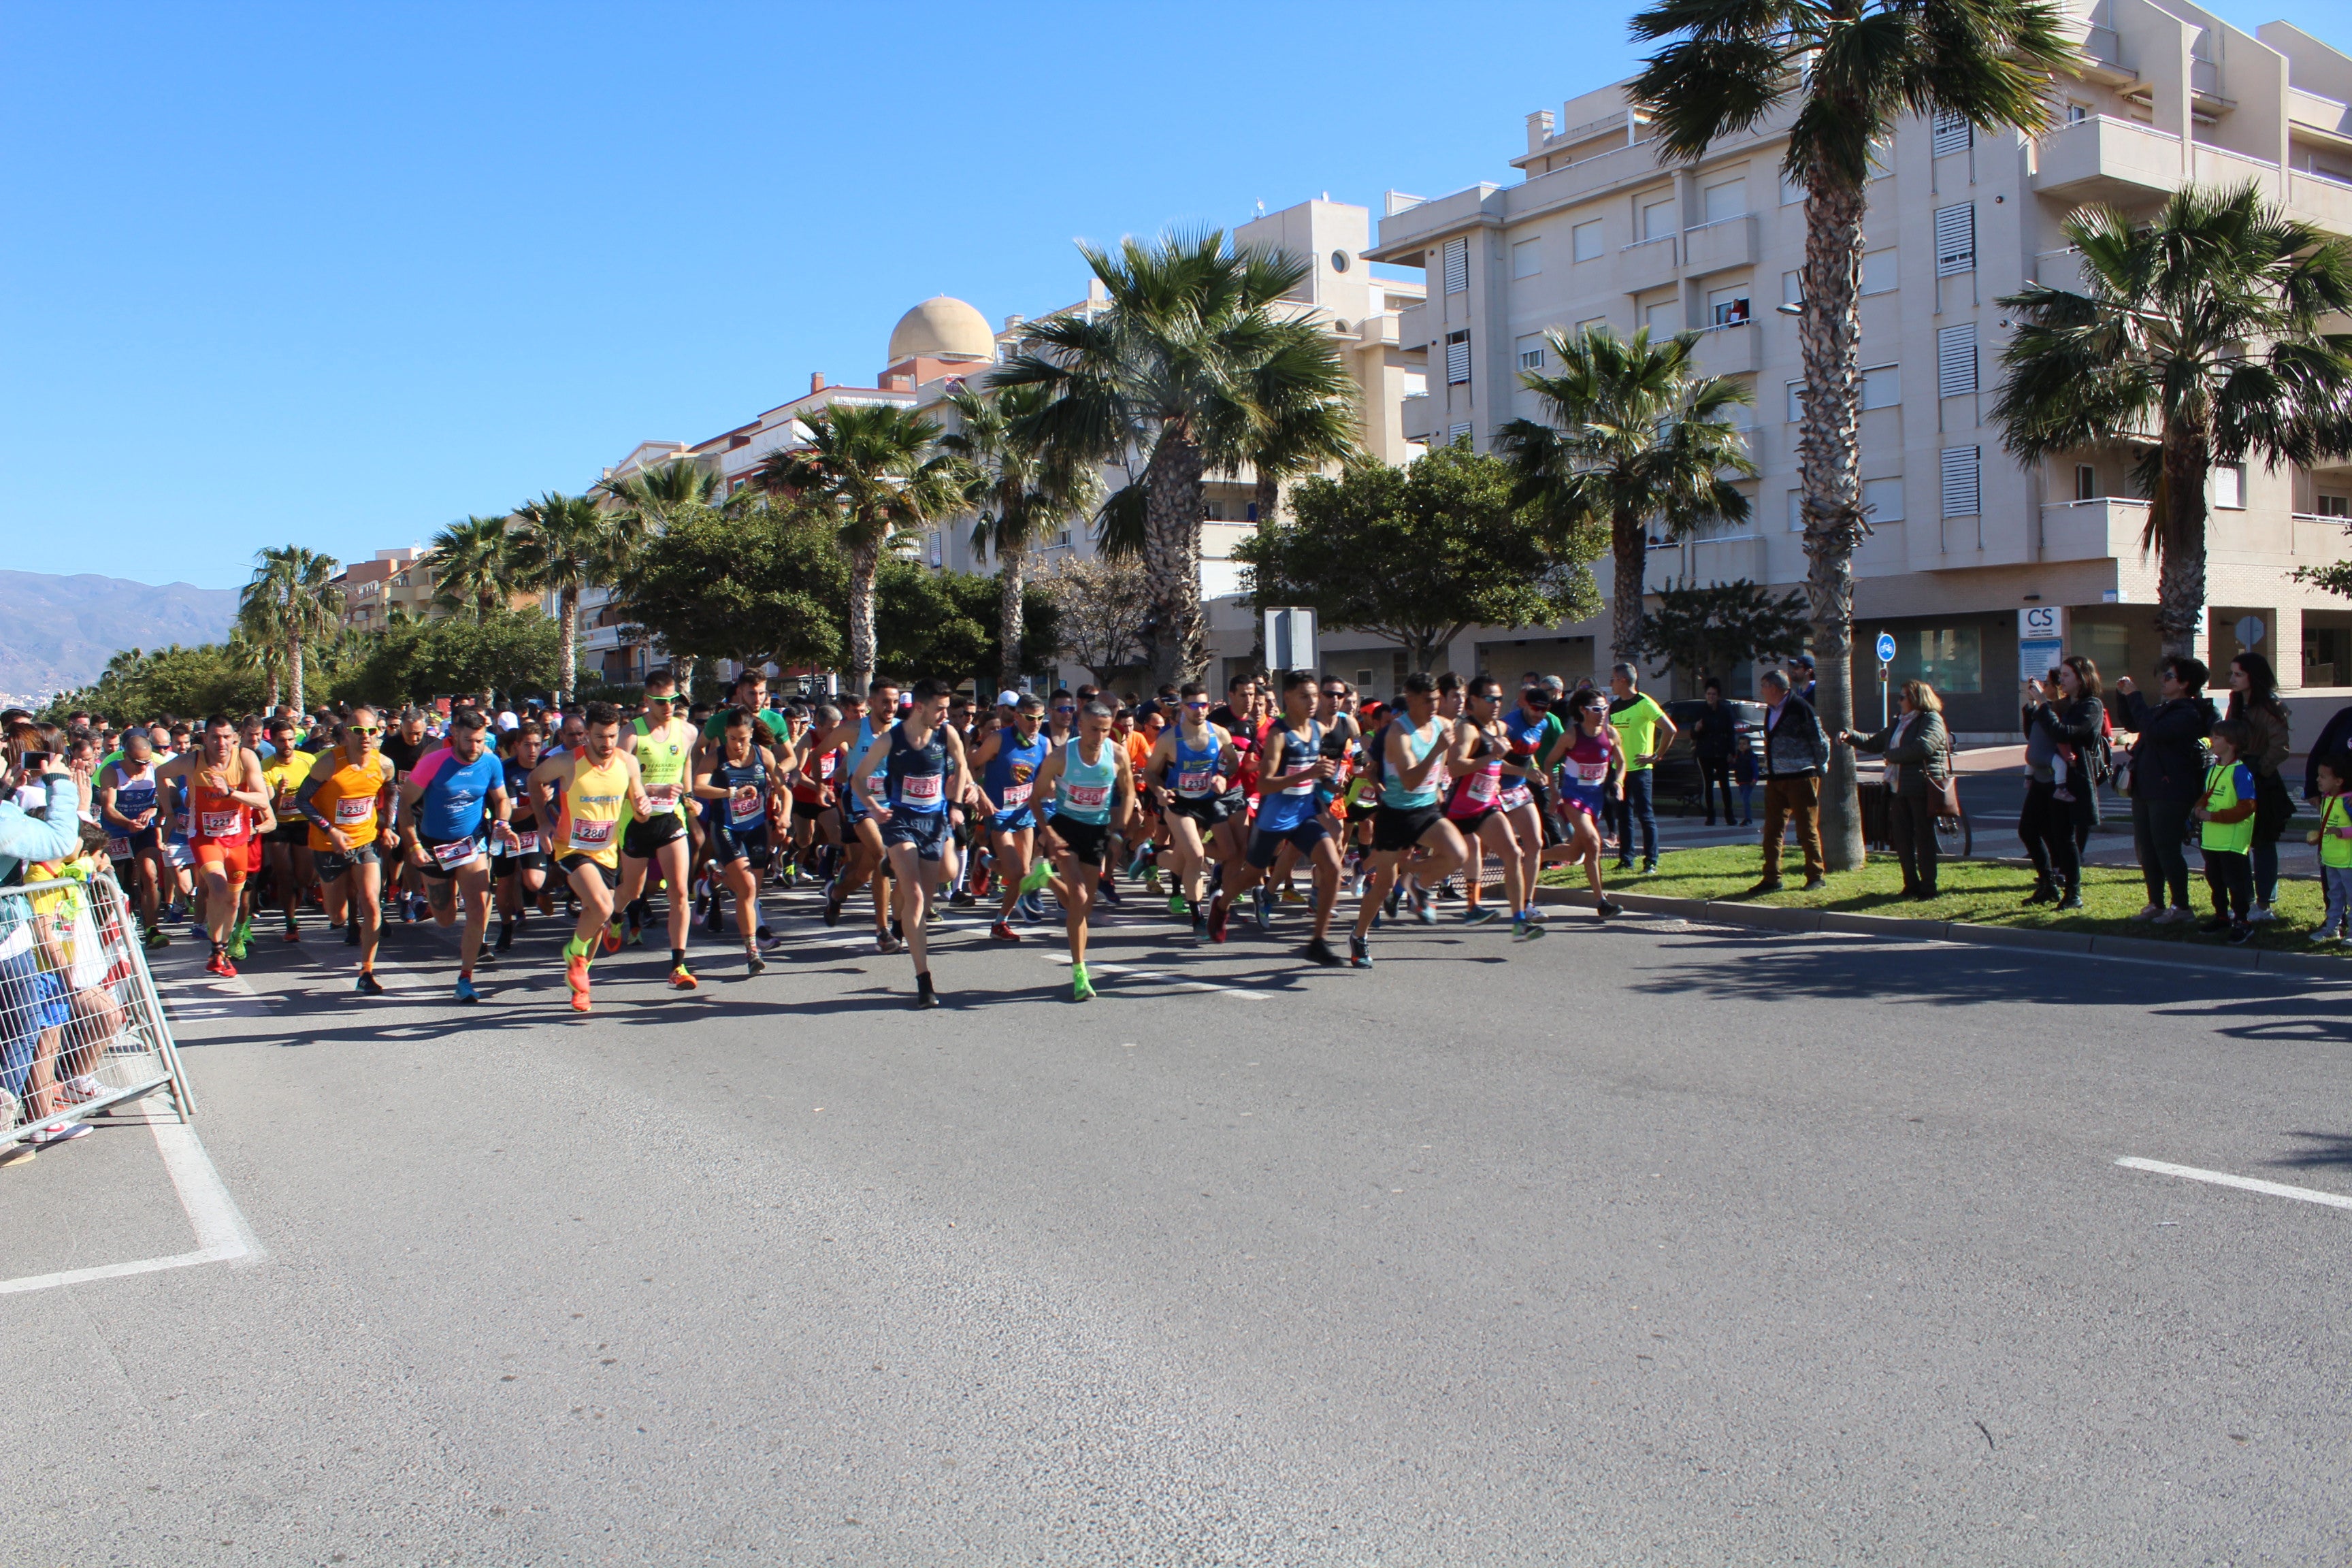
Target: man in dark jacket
x=1796, y=753
x=1713, y=735
x=2168, y=778
x=2334, y=736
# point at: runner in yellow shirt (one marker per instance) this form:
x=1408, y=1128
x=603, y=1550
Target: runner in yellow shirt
x=602, y=788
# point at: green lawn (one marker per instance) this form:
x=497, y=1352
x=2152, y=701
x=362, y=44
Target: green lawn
x=1978, y=891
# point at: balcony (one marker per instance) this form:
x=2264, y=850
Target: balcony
x=2315, y=198
x=1737, y=348
x=1650, y=264
x=2105, y=160
x=1719, y=247
x=2109, y=528
x=2060, y=269
x=1414, y=417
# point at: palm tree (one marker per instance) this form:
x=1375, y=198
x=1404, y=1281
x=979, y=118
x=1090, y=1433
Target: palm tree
x=646, y=502
x=1849, y=69
x=1021, y=490
x=1636, y=435
x=292, y=600
x=264, y=656
x=474, y=566
x=2195, y=341
x=877, y=473
x=568, y=544
x=1168, y=372
x=1307, y=412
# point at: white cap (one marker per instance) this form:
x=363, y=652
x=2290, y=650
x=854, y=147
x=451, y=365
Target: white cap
x=507, y=721
x=1008, y=699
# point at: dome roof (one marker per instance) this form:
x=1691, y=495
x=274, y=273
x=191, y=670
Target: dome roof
x=942, y=328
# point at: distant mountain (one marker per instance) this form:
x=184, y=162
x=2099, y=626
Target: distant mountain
x=56, y=632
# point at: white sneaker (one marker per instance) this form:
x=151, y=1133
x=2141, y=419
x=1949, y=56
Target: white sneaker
x=2176, y=916
x=2324, y=938
x=2149, y=912
x=74, y=1091
x=2259, y=913
x=58, y=1132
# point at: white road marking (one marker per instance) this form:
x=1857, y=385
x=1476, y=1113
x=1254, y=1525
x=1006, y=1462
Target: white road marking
x=222, y=1235
x=1093, y=965
x=2252, y=1185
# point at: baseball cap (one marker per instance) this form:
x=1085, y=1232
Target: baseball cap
x=1008, y=698
x=1804, y=658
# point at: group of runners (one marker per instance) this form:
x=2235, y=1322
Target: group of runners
x=907, y=798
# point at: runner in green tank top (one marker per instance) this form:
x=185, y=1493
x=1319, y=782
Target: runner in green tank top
x=663, y=745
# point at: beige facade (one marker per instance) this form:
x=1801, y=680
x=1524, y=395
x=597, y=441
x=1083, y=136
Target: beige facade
x=1602, y=232
x=394, y=580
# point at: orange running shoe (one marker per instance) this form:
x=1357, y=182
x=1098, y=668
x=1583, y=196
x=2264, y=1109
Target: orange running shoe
x=679, y=980
x=610, y=939
x=575, y=975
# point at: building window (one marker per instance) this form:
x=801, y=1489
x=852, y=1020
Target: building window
x=1953, y=133
x=1792, y=288
x=1727, y=307
x=1883, y=498
x=1457, y=266
x=1526, y=257
x=2230, y=486
x=1660, y=218
x=1792, y=191
x=1956, y=239
x=1956, y=360
x=1589, y=240
x=1878, y=271
x=2077, y=113
x=1338, y=261
x=1531, y=352
x=1457, y=433
x=1796, y=401
x=2086, y=482
x=1949, y=659
x=1882, y=158
x=1457, y=359
x=1881, y=386
x=1416, y=383
x=1726, y=199
x=2335, y=506
x=1591, y=324
x=1796, y=511
x=1962, y=475
x=1663, y=319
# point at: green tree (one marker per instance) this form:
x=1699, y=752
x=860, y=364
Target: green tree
x=875, y=474
x=178, y=682
x=1102, y=606
x=1703, y=631
x=474, y=566
x=2199, y=340
x=292, y=601
x=415, y=661
x=1850, y=70
x=1636, y=439
x=944, y=624
x=1022, y=489
x=1176, y=372
x=1419, y=554
x=645, y=504
x=753, y=584
x=568, y=544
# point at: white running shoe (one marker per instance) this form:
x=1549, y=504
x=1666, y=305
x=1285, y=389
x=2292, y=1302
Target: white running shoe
x=2259, y=914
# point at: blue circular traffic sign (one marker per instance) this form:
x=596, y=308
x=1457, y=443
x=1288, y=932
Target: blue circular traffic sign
x=1886, y=647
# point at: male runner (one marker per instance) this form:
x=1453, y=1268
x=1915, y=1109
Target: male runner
x=225, y=789
x=663, y=745
x=443, y=799
x=1299, y=757
x=921, y=769
x=1533, y=730
x=521, y=871
x=405, y=746
x=1091, y=784
x=129, y=807
x=1411, y=815
x=1191, y=769
x=291, y=869
x=739, y=787
x=864, y=857
x=348, y=796
x=600, y=788
x=1008, y=761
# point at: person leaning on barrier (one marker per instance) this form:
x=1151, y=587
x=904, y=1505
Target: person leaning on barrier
x=24, y=839
x=1918, y=752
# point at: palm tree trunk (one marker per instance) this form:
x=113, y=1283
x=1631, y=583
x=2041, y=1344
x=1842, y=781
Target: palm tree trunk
x=684, y=669
x=294, y=669
x=1829, y=462
x=1172, y=559
x=567, y=646
x=1010, y=619
x=865, y=561
x=2181, y=542
x=1630, y=538
x=1269, y=495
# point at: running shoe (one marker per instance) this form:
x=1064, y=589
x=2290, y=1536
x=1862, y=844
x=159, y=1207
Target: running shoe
x=753, y=964
x=761, y=933
x=2258, y=915
x=1176, y=906
x=1425, y=908
x=961, y=899
x=506, y=939
x=1604, y=908
x=239, y=938
x=1481, y=915
x=575, y=975
x=1081, y=988
x=2240, y=933
x=1194, y=916
x=1039, y=875
x=218, y=964
x=1032, y=907
x=884, y=942
x=58, y=1132
x=153, y=937
x=832, y=910
x=1218, y=913
x=1261, y=909
x=711, y=923
x=465, y=992
x=79, y=1089
x=293, y=931
x=1319, y=952
x=369, y=985
x=1151, y=879
x=1106, y=894
x=925, y=996
x=1291, y=895
x=1002, y=932
x=351, y=933
x=682, y=979
x=1524, y=929
x=1139, y=859
x=609, y=939
x=1359, y=952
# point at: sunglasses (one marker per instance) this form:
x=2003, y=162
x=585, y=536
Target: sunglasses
x=1064, y=708
x=1200, y=706
x=366, y=730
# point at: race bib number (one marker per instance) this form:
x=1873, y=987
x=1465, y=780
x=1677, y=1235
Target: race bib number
x=527, y=842
x=1016, y=796
x=351, y=811
x=745, y=805
x=1088, y=795
x=1483, y=787
x=1516, y=797
x=663, y=797
x=826, y=766
x=1593, y=772
x=222, y=824
x=118, y=849
x=920, y=789
x=455, y=853
x=591, y=835
x=1196, y=782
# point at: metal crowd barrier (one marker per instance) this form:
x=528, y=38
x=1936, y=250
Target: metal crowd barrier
x=81, y=1027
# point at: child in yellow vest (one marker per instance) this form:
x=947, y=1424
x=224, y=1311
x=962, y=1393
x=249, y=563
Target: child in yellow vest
x=2227, y=810
x=2335, y=840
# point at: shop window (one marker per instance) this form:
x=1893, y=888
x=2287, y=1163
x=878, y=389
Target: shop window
x=1949, y=659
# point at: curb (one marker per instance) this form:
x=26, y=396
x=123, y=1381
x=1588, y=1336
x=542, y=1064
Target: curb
x=1773, y=917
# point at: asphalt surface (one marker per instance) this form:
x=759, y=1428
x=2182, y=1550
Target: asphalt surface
x=1650, y=1243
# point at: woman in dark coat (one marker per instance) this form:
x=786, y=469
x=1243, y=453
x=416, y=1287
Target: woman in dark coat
x=2065, y=731
x=1918, y=752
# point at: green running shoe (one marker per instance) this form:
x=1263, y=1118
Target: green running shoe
x=239, y=938
x=1081, y=988
x=1039, y=875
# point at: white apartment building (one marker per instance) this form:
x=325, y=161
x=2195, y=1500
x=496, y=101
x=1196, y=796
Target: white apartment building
x=1602, y=232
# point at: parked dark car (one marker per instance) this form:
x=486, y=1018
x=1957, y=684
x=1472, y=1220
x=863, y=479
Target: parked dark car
x=1675, y=780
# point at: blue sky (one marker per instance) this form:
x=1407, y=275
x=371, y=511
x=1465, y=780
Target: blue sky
x=341, y=274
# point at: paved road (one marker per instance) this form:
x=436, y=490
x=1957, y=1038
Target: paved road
x=1655, y=1244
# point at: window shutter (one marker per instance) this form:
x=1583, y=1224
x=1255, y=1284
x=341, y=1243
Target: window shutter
x=1457, y=266
x=1956, y=360
x=1457, y=359
x=1456, y=433
x=1956, y=239
x=1962, y=488
x=1953, y=133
